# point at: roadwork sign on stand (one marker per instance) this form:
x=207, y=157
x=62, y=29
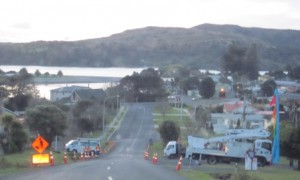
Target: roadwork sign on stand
x=40, y=144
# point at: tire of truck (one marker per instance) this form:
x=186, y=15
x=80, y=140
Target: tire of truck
x=74, y=151
x=171, y=156
x=262, y=161
x=211, y=160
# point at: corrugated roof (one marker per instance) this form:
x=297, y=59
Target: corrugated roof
x=69, y=88
x=86, y=94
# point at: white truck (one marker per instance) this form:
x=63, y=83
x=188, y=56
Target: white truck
x=78, y=145
x=232, y=147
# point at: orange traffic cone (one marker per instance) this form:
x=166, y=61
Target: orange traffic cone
x=178, y=166
x=92, y=154
x=51, y=159
x=156, y=158
x=74, y=156
x=65, y=158
x=146, y=155
x=153, y=159
x=81, y=156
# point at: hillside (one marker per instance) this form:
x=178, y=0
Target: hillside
x=202, y=46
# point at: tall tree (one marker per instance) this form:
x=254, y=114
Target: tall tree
x=169, y=131
x=14, y=134
x=87, y=116
x=241, y=62
x=202, y=116
x=268, y=88
x=251, y=63
x=291, y=147
x=146, y=86
x=191, y=83
x=207, y=88
x=48, y=120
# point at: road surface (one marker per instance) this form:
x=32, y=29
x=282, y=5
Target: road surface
x=125, y=162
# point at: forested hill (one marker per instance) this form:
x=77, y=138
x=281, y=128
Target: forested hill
x=202, y=46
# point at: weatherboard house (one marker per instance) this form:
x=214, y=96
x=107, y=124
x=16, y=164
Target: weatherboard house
x=64, y=92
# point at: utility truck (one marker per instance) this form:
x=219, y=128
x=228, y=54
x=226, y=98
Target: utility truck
x=174, y=150
x=233, y=147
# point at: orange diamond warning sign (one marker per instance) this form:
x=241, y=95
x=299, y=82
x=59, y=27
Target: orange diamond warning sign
x=39, y=144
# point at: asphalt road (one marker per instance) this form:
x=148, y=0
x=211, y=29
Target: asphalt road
x=125, y=162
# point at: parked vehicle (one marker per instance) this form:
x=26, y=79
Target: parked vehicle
x=174, y=149
x=228, y=148
x=78, y=145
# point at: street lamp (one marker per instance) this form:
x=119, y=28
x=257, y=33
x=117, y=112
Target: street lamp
x=103, y=113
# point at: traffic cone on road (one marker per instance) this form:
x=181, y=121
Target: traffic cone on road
x=81, y=156
x=51, y=159
x=92, y=155
x=65, y=158
x=146, y=155
x=153, y=159
x=74, y=156
x=178, y=166
x=156, y=158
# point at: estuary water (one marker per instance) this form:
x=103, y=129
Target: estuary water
x=44, y=89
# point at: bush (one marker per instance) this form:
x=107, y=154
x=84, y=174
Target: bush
x=169, y=131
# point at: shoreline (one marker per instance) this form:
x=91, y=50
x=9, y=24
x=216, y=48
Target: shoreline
x=75, y=79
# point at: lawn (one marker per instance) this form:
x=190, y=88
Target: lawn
x=179, y=116
x=22, y=161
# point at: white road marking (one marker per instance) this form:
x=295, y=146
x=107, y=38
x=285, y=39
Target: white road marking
x=109, y=178
x=108, y=168
x=137, y=135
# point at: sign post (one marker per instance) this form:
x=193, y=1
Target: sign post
x=40, y=144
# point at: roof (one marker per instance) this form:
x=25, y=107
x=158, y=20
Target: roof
x=86, y=94
x=250, y=117
x=69, y=89
x=237, y=106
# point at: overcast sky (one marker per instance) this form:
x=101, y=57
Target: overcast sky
x=68, y=20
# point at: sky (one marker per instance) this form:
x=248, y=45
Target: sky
x=71, y=20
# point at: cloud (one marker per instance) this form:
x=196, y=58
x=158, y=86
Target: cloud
x=22, y=25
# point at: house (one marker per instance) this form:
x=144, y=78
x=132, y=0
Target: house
x=64, y=92
x=221, y=121
x=238, y=107
x=87, y=94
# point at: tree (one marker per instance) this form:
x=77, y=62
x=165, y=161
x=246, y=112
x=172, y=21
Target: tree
x=241, y=62
x=21, y=83
x=202, y=117
x=59, y=73
x=294, y=73
x=37, y=73
x=48, y=120
x=15, y=135
x=250, y=67
x=18, y=102
x=207, y=88
x=87, y=116
x=291, y=147
x=169, y=131
x=190, y=83
x=268, y=88
x=146, y=86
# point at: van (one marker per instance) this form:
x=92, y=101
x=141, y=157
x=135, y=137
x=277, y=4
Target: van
x=78, y=145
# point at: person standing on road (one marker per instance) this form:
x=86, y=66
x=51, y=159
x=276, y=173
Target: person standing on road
x=98, y=150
